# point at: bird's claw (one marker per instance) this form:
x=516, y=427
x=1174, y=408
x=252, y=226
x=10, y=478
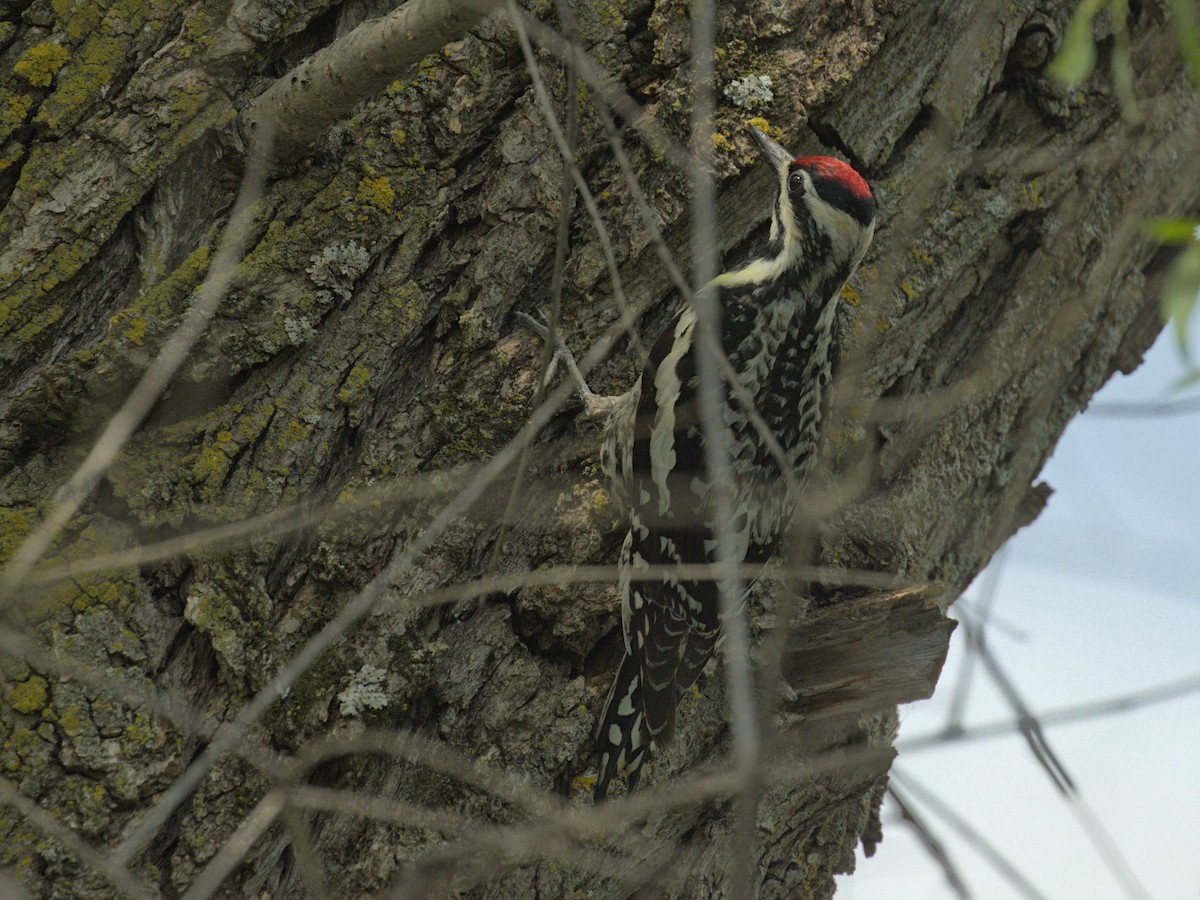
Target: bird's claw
x=562, y=355
x=540, y=328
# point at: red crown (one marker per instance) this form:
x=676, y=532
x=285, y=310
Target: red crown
x=836, y=170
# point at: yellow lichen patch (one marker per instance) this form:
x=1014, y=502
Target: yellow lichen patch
x=78, y=17
x=15, y=526
x=582, y=784
x=143, y=732
x=13, y=110
x=1033, y=195
x=611, y=14
x=233, y=431
x=252, y=423
x=131, y=324
x=921, y=256
x=113, y=589
x=105, y=38
x=211, y=465
x=40, y=323
x=404, y=310
x=720, y=142
x=599, y=501
x=82, y=84
x=766, y=128
x=21, y=743
x=850, y=296
x=198, y=30
x=29, y=696
x=376, y=192
x=292, y=433
x=41, y=62
x=352, y=389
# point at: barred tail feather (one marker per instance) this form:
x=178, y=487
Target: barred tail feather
x=700, y=648
x=621, y=737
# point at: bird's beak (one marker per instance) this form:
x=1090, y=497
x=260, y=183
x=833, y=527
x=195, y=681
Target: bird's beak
x=772, y=152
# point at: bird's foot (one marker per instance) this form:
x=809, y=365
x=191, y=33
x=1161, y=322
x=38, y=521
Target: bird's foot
x=595, y=406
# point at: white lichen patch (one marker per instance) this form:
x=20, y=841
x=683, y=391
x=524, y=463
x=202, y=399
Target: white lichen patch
x=367, y=690
x=299, y=331
x=750, y=91
x=338, y=267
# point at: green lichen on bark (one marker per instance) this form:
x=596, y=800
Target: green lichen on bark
x=16, y=524
x=29, y=696
x=14, y=110
x=55, y=221
x=40, y=63
x=111, y=38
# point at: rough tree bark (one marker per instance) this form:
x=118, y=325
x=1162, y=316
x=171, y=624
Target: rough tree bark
x=370, y=341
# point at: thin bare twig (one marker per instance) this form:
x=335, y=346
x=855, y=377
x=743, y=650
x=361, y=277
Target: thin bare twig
x=425, y=751
x=1149, y=409
x=969, y=833
x=608, y=86
x=1120, y=703
x=934, y=847
x=566, y=206
x=235, y=847
x=1031, y=728
x=304, y=850
x=1035, y=737
x=566, y=150
x=719, y=469
x=989, y=591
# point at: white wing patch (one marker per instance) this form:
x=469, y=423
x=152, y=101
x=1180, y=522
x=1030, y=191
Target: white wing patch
x=666, y=384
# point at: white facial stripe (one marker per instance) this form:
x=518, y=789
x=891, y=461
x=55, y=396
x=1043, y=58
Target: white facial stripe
x=793, y=233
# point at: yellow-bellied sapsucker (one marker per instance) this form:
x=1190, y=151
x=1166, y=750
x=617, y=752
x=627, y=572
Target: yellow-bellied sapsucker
x=776, y=329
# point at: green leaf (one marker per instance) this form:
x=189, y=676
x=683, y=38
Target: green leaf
x=1180, y=292
x=1173, y=231
x=1077, y=56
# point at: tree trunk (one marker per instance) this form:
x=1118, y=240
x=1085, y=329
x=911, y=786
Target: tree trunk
x=368, y=357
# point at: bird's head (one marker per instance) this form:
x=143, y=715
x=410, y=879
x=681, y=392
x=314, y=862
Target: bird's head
x=823, y=206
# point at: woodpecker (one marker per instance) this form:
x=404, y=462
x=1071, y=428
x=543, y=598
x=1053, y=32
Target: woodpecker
x=777, y=330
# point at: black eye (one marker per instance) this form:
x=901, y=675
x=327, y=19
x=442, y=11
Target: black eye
x=796, y=183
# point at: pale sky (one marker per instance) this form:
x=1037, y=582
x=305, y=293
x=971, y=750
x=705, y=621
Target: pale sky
x=1099, y=597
